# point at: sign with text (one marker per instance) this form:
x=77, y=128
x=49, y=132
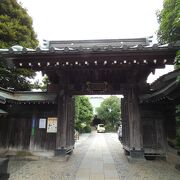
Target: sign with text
x=52, y=125
x=42, y=123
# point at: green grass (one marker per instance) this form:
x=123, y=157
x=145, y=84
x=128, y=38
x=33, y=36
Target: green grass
x=23, y=153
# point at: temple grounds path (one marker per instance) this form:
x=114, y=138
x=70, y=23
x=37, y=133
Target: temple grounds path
x=96, y=156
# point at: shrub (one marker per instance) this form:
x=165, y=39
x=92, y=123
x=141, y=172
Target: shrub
x=23, y=153
x=87, y=129
x=110, y=128
x=82, y=129
x=78, y=127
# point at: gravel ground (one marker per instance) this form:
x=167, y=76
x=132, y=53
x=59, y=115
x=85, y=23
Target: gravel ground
x=145, y=170
x=55, y=168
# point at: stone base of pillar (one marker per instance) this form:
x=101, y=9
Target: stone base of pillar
x=177, y=166
x=4, y=168
x=63, y=151
x=137, y=154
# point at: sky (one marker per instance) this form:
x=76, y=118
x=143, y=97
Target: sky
x=95, y=19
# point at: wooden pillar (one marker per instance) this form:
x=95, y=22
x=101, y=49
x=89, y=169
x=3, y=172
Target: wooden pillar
x=70, y=125
x=125, y=121
x=135, y=144
x=170, y=121
x=62, y=122
x=65, y=129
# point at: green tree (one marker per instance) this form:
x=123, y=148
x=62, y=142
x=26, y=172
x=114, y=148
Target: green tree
x=177, y=66
x=109, y=111
x=15, y=29
x=83, y=113
x=169, y=32
x=15, y=79
x=41, y=85
x=169, y=20
x=15, y=26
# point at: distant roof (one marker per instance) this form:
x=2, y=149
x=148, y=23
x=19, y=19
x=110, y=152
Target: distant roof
x=2, y=111
x=166, y=88
x=25, y=96
x=163, y=80
x=2, y=100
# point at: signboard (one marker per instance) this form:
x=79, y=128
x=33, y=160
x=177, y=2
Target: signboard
x=52, y=125
x=42, y=123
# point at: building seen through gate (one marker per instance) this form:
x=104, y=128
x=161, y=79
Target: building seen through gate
x=94, y=67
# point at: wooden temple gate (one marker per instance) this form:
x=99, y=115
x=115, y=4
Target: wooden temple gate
x=97, y=67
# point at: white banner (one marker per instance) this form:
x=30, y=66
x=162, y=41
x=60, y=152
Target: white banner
x=42, y=123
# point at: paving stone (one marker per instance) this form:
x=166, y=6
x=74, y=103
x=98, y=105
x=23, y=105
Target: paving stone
x=99, y=176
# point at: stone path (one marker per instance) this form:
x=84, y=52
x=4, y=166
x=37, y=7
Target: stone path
x=98, y=163
x=96, y=157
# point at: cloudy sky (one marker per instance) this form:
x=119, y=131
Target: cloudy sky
x=94, y=19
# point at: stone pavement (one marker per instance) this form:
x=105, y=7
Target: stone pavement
x=96, y=156
x=98, y=163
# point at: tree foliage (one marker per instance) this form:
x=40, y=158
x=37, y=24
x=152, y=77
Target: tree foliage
x=177, y=65
x=15, y=29
x=15, y=26
x=169, y=20
x=15, y=79
x=43, y=86
x=109, y=111
x=83, y=113
x=169, y=32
